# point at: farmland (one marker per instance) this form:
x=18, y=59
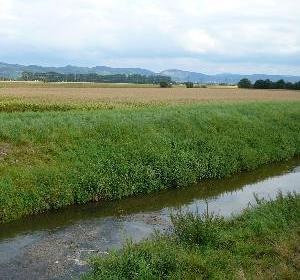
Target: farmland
x=43, y=97
x=62, y=146
x=70, y=144
x=149, y=140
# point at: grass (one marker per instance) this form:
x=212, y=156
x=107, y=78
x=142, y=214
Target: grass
x=10, y=106
x=262, y=243
x=52, y=159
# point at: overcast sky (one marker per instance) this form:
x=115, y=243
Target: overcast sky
x=210, y=36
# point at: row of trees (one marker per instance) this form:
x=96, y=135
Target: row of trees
x=268, y=84
x=95, y=78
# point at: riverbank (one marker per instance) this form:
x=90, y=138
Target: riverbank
x=58, y=244
x=262, y=243
x=53, y=159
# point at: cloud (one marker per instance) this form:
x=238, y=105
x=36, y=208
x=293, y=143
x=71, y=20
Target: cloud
x=208, y=32
x=197, y=41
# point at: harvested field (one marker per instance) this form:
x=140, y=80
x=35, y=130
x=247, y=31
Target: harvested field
x=139, y=95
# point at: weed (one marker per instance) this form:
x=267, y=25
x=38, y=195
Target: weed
x=233, y=249
x=58, y=158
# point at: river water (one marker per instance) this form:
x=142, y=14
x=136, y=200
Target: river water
x=56, y=245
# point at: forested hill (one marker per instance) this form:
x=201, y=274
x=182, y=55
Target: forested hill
x=14, y=71
x=228, y=78
x=95, y=78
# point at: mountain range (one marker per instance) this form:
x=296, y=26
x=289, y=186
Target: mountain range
x=14, y=71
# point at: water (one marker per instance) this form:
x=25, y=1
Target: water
x=57, y=244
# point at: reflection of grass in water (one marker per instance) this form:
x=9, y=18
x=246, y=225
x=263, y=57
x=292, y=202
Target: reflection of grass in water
x=62, y=158
x=262, y=243
x=130, y=206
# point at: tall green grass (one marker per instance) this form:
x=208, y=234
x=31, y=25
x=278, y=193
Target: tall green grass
x=53, y=159
x=262, y=243
x=11, y=106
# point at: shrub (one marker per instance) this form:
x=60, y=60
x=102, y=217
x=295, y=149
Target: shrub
x=189, y=84
x=244, y=83
x=262, y=243
x=165, y=84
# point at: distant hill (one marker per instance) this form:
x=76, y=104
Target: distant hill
x=184, y=76
x=14, y=71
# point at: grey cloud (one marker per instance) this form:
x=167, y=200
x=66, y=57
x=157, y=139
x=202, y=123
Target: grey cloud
x=229, y=33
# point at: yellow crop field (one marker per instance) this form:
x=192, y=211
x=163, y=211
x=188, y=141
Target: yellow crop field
x=126, y=96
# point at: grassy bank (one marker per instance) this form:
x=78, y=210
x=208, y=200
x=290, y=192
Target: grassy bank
x=262, y=243
x=53, y=159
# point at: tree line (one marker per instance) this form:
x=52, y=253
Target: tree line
x=268, y=84
x=95, y=78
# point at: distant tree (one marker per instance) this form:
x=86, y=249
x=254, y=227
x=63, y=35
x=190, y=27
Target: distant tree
x=165, y=84
x=268, y=84
x=189, y=84
x=244, y=83
x=259, y=84
x=289, y=85
x=95, y=78
x=297, y=85
x=280, y=84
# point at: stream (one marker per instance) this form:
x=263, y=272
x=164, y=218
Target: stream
x=57, y=244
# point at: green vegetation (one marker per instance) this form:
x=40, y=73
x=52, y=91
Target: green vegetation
x=165, y=84
x=267, y=84
x=94, y=78
x=189, y=84
x=262, y=243
x=39, y=84
x=10, y=106
x=52, y=159
x=244, y=83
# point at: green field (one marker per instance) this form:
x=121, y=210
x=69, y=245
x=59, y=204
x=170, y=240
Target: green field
x=53, y=159
x=262, y=243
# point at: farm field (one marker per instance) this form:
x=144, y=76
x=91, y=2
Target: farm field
x=56, y=158
x=149, y=140
x=65, y=98
x=63, y=146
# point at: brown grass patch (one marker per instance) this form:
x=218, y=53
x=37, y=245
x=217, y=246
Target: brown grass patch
x=5, y=149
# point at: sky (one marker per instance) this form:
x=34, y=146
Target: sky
x=208, y=36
